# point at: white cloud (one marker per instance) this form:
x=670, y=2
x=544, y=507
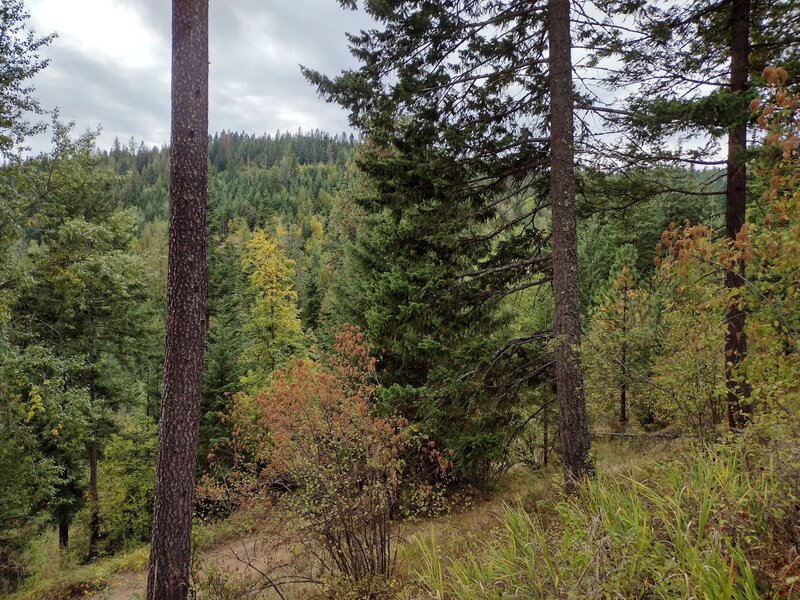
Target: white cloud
x=110, y=31
x=111, y=64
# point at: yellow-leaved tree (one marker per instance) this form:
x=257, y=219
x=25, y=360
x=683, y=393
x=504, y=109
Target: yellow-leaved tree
x=774, y=249
x=688, y=371
x=692, y=264
x=274, y=329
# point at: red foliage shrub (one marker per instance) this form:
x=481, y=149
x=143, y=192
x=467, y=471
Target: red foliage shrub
x=343, y=459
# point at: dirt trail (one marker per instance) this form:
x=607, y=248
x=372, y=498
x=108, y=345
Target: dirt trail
x=245, y=558
x=124, y=586
x=242, y=557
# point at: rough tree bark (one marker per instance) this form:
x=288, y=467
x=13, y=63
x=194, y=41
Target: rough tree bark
x=566, y=326
x=735, y=202
x=168, y=577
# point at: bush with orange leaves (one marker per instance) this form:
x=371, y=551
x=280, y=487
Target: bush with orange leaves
x=690, y=266
x=775, y=268
x=342, y=461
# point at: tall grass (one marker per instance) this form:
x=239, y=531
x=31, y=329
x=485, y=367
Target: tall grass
x=712, y=526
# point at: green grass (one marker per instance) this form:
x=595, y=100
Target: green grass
x=708, y=526
x=666, y=521
x=56, y=575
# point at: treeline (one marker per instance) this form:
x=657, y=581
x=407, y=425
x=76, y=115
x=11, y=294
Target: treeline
x=240, y=148
x=83, y=296
x=271, y=164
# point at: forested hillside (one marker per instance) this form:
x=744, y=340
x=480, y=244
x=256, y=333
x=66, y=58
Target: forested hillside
x=87, y=262
x=512, y=341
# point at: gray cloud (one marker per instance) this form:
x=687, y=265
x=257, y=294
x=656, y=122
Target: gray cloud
x=254, y=78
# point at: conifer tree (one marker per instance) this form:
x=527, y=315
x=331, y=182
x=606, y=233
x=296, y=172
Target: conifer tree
x=567, y=323
x=84, y=295
x=688, y=70
x=460, y=136
x=616, y=347
x=30, y=477
x=225, y=339
x=170, y=550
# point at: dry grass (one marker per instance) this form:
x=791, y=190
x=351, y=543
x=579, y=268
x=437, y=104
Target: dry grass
x=235, y=553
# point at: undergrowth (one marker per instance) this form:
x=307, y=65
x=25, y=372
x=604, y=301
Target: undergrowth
x=720, y=522
x=60, y=575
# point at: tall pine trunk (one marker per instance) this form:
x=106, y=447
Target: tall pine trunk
x=735, y=202
x=566, y=326
x=168, y=577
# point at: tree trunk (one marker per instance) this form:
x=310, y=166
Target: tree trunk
x=63, y=532
x=566, y=326
x=735, y=202
x=168, y=577
x=623, y=388
x=94, y=517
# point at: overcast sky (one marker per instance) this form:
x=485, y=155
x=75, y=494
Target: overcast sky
x=110, y=65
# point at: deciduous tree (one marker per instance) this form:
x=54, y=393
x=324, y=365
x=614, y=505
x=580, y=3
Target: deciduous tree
x=274, y=327
x=689, y=69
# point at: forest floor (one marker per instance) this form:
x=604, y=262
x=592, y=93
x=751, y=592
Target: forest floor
x=236, y=556
x=240, y=559
x=235, y=553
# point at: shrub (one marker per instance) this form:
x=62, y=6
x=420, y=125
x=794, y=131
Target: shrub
x=340, y=460
x=126, y=479
x=239, y=473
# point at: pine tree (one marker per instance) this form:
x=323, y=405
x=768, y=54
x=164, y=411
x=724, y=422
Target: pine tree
x=567, y=322
x=225, y=339
x=460, y=144
x=85, y=290
x=616, y=349
x=690, y=68
x=168, y=577
x=30, y=477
